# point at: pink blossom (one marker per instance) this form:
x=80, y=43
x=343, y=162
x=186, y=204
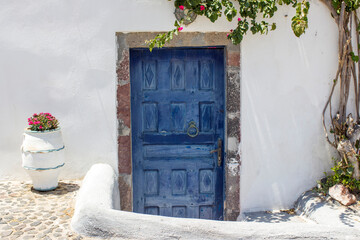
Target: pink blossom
x=37, y=122
x=30, y=123
x=181, y=7
x=239, y=19
x=29, y=119
x=227, y=35
x=202, y=8
x=180, y=28
x=34, y=115
x=40, y=127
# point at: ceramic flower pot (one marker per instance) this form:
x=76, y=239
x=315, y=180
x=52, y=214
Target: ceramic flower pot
x=43, y=157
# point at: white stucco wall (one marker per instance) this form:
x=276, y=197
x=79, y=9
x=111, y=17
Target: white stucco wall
x=285, y=83
x=59, y=57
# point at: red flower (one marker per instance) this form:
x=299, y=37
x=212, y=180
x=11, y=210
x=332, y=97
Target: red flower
x=231, y=30
x=239, y=19
x=181, y=7
x=42, y=121
x=180, y=28
x=202, y=8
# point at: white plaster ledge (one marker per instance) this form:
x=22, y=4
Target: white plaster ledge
x=96, y=215
x=99, y=191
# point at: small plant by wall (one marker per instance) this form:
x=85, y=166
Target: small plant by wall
x=342, y=173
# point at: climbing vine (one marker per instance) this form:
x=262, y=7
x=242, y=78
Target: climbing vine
x=249, y=13
x=343, y=132
x=344, y=127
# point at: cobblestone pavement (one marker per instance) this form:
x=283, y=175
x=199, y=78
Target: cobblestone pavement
x=29, y=214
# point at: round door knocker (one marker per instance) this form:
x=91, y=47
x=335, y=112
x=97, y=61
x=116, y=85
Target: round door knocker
x=192, y=131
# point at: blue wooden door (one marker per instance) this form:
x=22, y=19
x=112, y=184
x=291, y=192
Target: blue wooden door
x=177, y=113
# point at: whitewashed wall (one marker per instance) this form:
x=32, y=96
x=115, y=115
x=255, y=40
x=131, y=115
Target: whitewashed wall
x=59, y=57
x=285, y=83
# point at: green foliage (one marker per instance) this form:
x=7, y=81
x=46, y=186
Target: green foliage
x=342, y=174
x=351, y=5
x=42, y=122
x=354, y=57
x=300, y=20
x=160, y=39
x=248, y=12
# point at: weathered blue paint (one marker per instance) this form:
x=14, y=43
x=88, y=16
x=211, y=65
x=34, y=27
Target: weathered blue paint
x=174, y=173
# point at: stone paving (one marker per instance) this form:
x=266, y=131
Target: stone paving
x=29, y=214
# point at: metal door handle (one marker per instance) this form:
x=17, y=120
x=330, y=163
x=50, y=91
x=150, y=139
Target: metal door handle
x=219, y=152
x=192, y=131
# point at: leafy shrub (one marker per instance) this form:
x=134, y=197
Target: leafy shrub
x=342, y=174
x=42, y=122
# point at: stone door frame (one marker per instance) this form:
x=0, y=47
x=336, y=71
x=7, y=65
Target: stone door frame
x=125, y=41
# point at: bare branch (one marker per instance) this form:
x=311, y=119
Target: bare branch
x=353, y=67
x=355, y=89
x=331, y=117
x=342, y=50
x=340, y=66
x=358, y=76
x=341, y=26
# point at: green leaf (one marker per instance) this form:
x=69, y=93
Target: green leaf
x=194, y=2
x=354, y=57
x=273, y=26
x=213, y=17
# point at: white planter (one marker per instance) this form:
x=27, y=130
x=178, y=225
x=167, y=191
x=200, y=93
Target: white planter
x=43, y=157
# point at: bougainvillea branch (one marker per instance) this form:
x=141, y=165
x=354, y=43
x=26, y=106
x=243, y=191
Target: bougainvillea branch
x=161, y=39
x=247, y=14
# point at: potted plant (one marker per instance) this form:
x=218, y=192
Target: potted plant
x=42, y=151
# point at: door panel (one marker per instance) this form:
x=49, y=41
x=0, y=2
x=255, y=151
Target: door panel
x=177, y=111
